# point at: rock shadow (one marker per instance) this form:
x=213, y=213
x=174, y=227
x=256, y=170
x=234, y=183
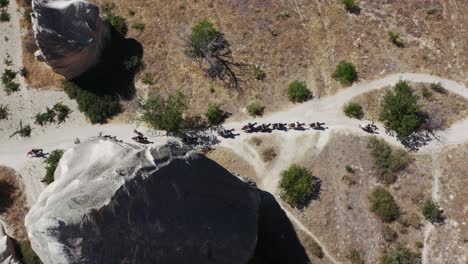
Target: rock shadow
x=115, y=73
x=277, y=239
x=6, y=195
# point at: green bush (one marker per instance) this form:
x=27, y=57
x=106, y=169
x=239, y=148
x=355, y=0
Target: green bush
x=401, y=111
x=297, y=186
x=387, y=161
x=3, y=112
x=51, y=164
x=205, y=37
x=401, y=255
x=259, y=73
x=47, y=117
x=23, y=131
x=419, y=244
x=25, y=253
x=345, y=73
x=298, y=92
x=98, y=108
x=353, y=110
x=383, y=204
x=148, y=78
x=8, y=77
x=215, y=115
x=255, y=109
x=349, y=169
x=139, y=26
x=438, y=88
x=133, y=64
x=395, y=38
x=165, y=114
x=350, y=5
x=4, y=3
x=354, y=257
x=62, y=112
x=316, y=249
x=426, y=93
x=432, y=212
x=4, y=16
x=119, y=23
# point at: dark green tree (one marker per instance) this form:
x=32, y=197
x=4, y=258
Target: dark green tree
x=165, y=113
x=298, y=92
x=345, y=73
x=401, y=111
x=298, y=186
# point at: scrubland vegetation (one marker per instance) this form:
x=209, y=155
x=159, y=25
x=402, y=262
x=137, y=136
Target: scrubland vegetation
x=384, y=205
x=298, y=186
x=388, y=162
x=51, y=164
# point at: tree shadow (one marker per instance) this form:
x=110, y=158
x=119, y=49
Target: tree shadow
x=115, y=73
x=6, y=195
x=277, y=239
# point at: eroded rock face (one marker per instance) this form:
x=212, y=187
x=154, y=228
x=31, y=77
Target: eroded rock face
x=118, y=203
x=70, y=35
x=7, y=251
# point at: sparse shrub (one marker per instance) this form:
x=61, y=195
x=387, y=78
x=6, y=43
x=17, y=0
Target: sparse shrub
x=350, y=181
x=107, y=7
x=4, y=3
x=118, y=23
x=345, y=73
x=350, y=5
x=204, y=38
x=148, y=78
x=438, y=88
x=7, y=60
x=349, y=169
x=8, y=77
x=401, y=111
x=353, y=110
x=354, y=257
x=23, y=72
x=215, y=115
x=3, y=112
x=255, y=109
x=316, y=249
x=133, y=64
x=98, y=108
x=432, y=212
x=383, y=205
x=388, y=234
x=268, y=154
x=139, y=26
x=23, y=131
x=256, y=141
x=51, y=164
x=63, y=111
x=25, y=253
x=426, y=93
x=419, y=244
x=47, y=117
x=431, y=10
x=284, y=15
x=27, y=15
x=298, y=92
x=4, y=16
x=259, y=73
x=395, y=38
x=131, y=12
x=165, y=113
x=387, y=161
x=298, y=186
x=401, y=255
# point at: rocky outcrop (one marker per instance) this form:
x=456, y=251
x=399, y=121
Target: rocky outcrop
x=7, y=251
x=70, y=35
x=114, y=202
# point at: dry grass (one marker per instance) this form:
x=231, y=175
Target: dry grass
x=449, y=107
x=12, y=203
x=269, y=154
x=232, y=162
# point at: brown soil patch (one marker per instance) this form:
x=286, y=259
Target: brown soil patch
x=232, y=162
x=12, y=203
x=341, y=219
x=450, y=244
x=447, y=107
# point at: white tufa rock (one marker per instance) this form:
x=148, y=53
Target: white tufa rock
x=114, y=202
x=7, y=251
x=70, y=35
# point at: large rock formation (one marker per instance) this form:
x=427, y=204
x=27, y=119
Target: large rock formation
x=7, y=251
x=70, y=35
x=113, y=202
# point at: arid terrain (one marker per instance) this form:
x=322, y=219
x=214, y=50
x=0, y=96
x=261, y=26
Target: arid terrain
x=289, y=40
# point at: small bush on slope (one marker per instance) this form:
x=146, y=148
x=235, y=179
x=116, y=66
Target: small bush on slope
x=298, y=186
x=345, y=73
x=383, y=204
x=298, y=92
x=51, y=164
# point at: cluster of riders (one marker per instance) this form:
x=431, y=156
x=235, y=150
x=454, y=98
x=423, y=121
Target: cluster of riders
x=369, y=128
x=253, y=127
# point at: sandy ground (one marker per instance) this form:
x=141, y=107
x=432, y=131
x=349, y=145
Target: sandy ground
x=24, y=104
